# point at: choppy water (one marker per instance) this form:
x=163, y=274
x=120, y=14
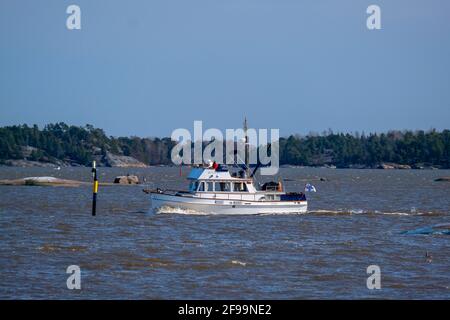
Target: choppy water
x=358, y=218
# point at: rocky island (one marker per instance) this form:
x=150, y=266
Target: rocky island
x=58, y=145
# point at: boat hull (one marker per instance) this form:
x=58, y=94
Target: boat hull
x=160, y=202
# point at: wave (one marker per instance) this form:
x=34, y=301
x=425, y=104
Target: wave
x=439, y=229
x=240, y=263
x=373, y=212
x=282, y=214
x=53, y=248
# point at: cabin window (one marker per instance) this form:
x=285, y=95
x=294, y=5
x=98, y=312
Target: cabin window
x=222, y=186
x=202, y=186
x=240, y=187
x=209, y=186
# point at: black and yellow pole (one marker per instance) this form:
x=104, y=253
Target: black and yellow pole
x=95, y=189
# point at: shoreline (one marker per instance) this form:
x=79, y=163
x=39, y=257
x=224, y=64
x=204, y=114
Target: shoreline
x=285, y=166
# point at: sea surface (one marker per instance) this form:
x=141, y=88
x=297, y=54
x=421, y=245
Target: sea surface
x=398, y=220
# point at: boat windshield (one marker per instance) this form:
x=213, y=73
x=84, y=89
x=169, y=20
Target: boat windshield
x=240, y=187
x=193, y=186
x=222, y=186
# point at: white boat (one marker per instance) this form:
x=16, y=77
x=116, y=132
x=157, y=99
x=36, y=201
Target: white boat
x=213, y=190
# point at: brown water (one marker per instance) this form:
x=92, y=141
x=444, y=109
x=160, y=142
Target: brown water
x=357, y=218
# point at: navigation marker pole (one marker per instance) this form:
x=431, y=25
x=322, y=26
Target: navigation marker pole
x=95, y=189
x=246, y=160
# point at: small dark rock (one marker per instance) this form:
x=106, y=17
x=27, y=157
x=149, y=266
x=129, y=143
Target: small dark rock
x=129, y=179
x=447, y=179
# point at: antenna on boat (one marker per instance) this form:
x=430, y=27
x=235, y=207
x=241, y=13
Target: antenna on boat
x=269, y=149
x=247, y=168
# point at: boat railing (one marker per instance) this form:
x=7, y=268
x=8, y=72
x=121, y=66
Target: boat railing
x=227, y=196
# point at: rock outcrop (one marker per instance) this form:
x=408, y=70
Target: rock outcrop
x=113, y=160
x=29, y=163
x=393, y=166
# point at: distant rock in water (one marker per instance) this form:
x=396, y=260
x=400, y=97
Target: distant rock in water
x=112, y=160
x=442, y=229
x=127, y=179
x=447, y=179
x=42, y=181
x=387, y=166
x=357, y=166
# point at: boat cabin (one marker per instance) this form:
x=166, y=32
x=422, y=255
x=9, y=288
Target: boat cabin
x=220, y=184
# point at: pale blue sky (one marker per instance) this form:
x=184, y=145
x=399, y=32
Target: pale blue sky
x=147, y=67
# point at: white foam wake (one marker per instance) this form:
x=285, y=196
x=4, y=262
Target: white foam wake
x=173, y=210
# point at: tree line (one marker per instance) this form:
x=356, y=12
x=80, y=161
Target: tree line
x=77, y=145
x=430, y=148
x=80, y=145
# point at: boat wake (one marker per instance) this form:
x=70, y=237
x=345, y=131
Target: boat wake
x=345, y=212
x=439, y=229
x=172, y=210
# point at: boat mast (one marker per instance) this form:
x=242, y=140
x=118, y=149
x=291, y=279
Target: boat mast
x=247, y=168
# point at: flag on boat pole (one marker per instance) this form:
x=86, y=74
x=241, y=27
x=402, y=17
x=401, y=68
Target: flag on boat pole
x=310, y=188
